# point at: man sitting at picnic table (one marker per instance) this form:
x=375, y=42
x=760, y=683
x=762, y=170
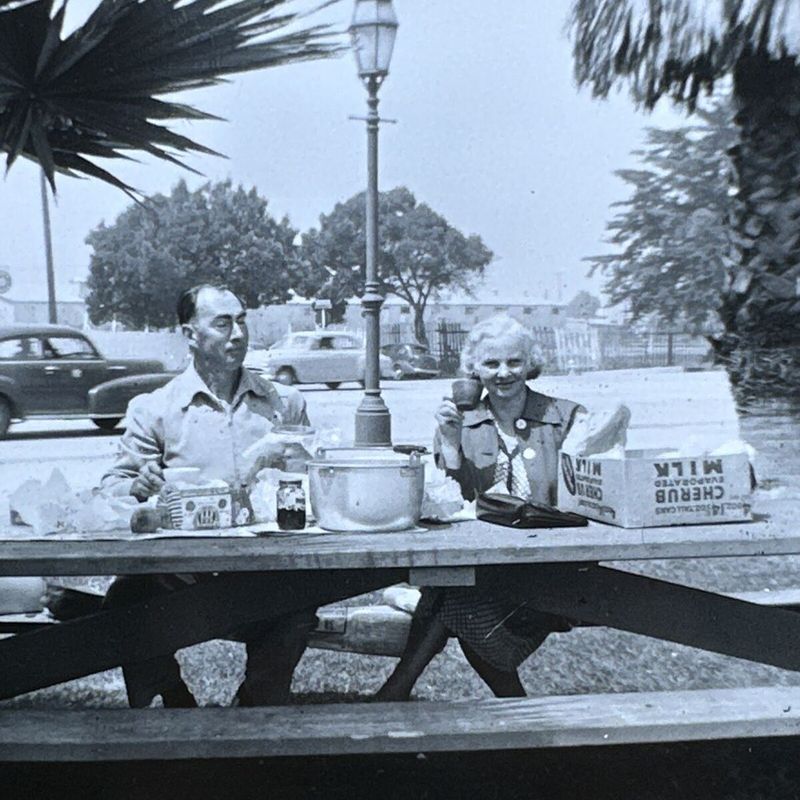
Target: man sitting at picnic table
x=207, y=417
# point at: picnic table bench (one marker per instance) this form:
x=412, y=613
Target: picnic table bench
x=564, y=572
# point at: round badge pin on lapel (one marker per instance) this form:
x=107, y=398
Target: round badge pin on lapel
x=529, y=453
x=520, y=424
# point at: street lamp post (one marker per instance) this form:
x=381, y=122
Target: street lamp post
x=372, y=31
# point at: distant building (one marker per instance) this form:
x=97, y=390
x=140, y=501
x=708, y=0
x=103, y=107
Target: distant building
x=268, y=323
x=467, y=311
x=69, y=312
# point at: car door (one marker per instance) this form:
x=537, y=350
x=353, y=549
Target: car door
x=73, y=367
x=21, y=363
x=350, y=358
x=299, y=355
x=320, y=360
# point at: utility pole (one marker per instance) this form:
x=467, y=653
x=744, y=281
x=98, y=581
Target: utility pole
x=559, y=286
x=48, y=252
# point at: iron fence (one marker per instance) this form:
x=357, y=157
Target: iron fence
x=578, y=347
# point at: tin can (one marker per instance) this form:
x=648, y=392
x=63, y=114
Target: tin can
x=291, y=505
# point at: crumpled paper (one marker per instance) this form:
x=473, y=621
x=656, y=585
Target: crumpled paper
x=599, y=431
x=55, y=507
x=442, y=499
x=402, y=597
x=694, y=445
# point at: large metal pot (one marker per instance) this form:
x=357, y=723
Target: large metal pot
x=376, y=489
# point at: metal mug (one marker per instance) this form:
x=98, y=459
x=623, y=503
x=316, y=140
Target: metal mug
x=466, y=393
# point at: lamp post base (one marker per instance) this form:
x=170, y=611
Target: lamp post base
x=373, y=423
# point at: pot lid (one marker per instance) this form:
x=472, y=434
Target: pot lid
x=365, y=463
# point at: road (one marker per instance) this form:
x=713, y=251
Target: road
x=660, y=399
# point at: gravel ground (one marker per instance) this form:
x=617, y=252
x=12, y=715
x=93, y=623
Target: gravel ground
x=581, y=661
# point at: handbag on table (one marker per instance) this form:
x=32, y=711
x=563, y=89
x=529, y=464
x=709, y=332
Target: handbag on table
x=514, y=512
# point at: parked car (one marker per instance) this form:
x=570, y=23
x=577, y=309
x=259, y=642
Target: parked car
x=56, y=372
x=411, y=360
x=329, y=357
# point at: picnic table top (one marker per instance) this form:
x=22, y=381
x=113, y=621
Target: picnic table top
x=469, y=543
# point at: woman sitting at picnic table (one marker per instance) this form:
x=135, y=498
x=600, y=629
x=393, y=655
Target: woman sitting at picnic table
x=508, y=443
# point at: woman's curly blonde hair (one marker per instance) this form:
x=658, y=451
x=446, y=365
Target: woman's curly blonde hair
x=493, y=328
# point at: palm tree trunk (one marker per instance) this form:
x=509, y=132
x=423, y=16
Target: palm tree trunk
x=761, y=308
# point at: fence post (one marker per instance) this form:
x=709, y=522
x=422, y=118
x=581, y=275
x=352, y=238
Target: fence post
x=594, y=347
x=561, y=354
x=669, y=349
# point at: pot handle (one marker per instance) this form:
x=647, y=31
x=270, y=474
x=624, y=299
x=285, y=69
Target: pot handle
x=408, y=449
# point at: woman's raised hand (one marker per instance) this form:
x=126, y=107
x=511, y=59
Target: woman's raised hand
x=449, y=420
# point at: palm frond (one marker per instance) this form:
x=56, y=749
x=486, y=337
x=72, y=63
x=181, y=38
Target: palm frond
x=100, y=91
x=675, y=47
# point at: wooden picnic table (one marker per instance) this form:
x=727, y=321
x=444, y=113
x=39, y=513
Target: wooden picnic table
x=555, y=571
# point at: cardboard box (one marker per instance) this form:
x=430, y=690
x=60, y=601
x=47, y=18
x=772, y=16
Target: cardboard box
x=206, y=506
x=644, y=489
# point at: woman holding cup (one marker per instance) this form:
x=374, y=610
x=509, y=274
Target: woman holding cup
x=494, y=434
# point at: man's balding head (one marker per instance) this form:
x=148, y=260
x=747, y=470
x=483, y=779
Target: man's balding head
x=187, y=302
x=213, y=320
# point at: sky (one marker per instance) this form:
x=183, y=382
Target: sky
x=491, y=132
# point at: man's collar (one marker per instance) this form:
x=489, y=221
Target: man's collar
x=538, y=408
x=252, y=382
x=189, y=384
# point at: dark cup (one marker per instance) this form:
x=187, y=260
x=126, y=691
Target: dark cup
x=466, y=393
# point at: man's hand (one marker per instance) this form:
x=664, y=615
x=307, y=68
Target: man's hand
x=287, y=456
x=148, y=482
x=296, y=457
x=270, y=454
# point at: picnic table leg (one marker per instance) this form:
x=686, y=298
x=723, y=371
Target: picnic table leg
x=207, y=610
x=604, y=596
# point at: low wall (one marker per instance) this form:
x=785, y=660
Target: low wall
x=166, y=346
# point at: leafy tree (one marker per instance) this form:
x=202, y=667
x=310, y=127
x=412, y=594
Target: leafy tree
x=583, y=306
x=420, y=253
x=154, y=250
x=95, y=93
x=680, y=48
x=671, y=234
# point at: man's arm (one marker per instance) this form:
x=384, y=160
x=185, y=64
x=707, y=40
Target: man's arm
x=140, y=451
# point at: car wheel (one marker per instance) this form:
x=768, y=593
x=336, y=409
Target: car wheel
x=5, y=415
x=286, y=376
x=333, y=384
x=398, y=373
x=107, y=424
